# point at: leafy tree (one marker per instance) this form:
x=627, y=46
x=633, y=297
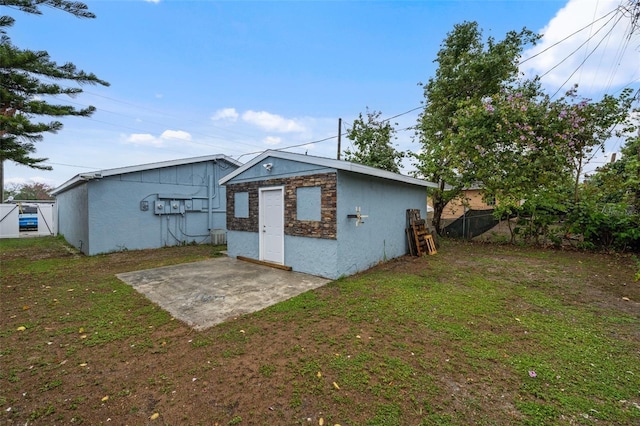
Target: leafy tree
x=468, y=69
x=30, y=191
x=24, y=95
x=617, y=182
x=372, y=140
x=522, y=145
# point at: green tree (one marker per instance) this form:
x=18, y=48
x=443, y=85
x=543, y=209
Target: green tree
x=372, y=139
x=522, y=145
x=617, y=182
x=25, y=97
x=468, y=69
x=30, y=191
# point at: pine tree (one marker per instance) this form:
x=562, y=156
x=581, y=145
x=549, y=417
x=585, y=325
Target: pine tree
x=25, y=96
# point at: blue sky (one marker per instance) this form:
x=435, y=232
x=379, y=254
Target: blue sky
x=192, y=78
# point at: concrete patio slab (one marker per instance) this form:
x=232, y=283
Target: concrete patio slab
x=206, y=293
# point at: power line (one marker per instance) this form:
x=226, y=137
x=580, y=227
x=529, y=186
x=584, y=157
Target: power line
x=584, y=60
x=580, y=47
x=566, y=38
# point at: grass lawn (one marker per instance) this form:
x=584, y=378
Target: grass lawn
x=477, y=334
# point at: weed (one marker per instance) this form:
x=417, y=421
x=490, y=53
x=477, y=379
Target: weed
x=267, y=370
x=235, y=420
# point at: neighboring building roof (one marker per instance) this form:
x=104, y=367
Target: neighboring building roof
x=329, y=163
x=83, y=177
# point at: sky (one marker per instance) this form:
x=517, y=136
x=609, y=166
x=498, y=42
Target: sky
x=195, y=78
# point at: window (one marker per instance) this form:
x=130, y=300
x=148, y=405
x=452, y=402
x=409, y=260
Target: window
x=308, y=203
x=241, y=204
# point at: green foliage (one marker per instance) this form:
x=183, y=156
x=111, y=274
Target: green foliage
x=30, y=191
x=24, y=93
x=617, y=182
x=372, y=140
x=611, y=226
x=468, y=70
x=483, y=125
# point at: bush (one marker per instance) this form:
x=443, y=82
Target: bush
x=610, y=227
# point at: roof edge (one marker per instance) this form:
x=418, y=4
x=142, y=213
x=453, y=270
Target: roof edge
x=84, y=177
x=331, y=163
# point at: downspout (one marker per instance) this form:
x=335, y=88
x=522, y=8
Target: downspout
x=210, y=196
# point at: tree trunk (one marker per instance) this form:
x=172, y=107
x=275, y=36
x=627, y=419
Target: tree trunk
x=438, y=207
x=1, y=180
x=577, y=182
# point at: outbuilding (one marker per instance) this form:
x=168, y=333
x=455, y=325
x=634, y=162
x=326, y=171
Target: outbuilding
x=317, y=215
x=145, y=206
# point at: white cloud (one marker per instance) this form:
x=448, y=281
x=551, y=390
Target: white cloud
x=176, y=134
x=144, y=139
x=147, y=139
x=152, y=1
x=226, y=114
x=272, y=140
x=605, y=57
x=272, y=122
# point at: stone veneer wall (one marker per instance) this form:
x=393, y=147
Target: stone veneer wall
x=324, y=228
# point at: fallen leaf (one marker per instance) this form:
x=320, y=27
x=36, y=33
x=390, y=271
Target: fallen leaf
x=154, y=416
x=335, y=385
x=84, y=364
x=21, y=328
x=518, y=319
x=105, y=398
x=625, y=299
x=320, y=421
x=319, y=374
x=242, y=331
x=357, y=336
x=25, y=307
x=81, y=330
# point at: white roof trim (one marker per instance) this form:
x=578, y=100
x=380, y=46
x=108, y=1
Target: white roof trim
x=329, y=163
x=83, y=177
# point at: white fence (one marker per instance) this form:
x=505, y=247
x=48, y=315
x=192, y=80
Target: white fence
x=10, y=220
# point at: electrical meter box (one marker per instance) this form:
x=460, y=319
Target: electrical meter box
x=160, y=207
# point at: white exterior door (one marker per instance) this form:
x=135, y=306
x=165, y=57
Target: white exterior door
x=272, y=225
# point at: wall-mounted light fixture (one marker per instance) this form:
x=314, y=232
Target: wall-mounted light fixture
x=268, y=166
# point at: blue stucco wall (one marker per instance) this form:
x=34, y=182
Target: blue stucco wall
x=115, y=219
x=382, y=236
x=315, y=256
x=73, y=212
x=240, y=243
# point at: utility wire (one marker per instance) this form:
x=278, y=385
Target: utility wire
x=581, y=46
x=585, y=59
x=567, y=37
